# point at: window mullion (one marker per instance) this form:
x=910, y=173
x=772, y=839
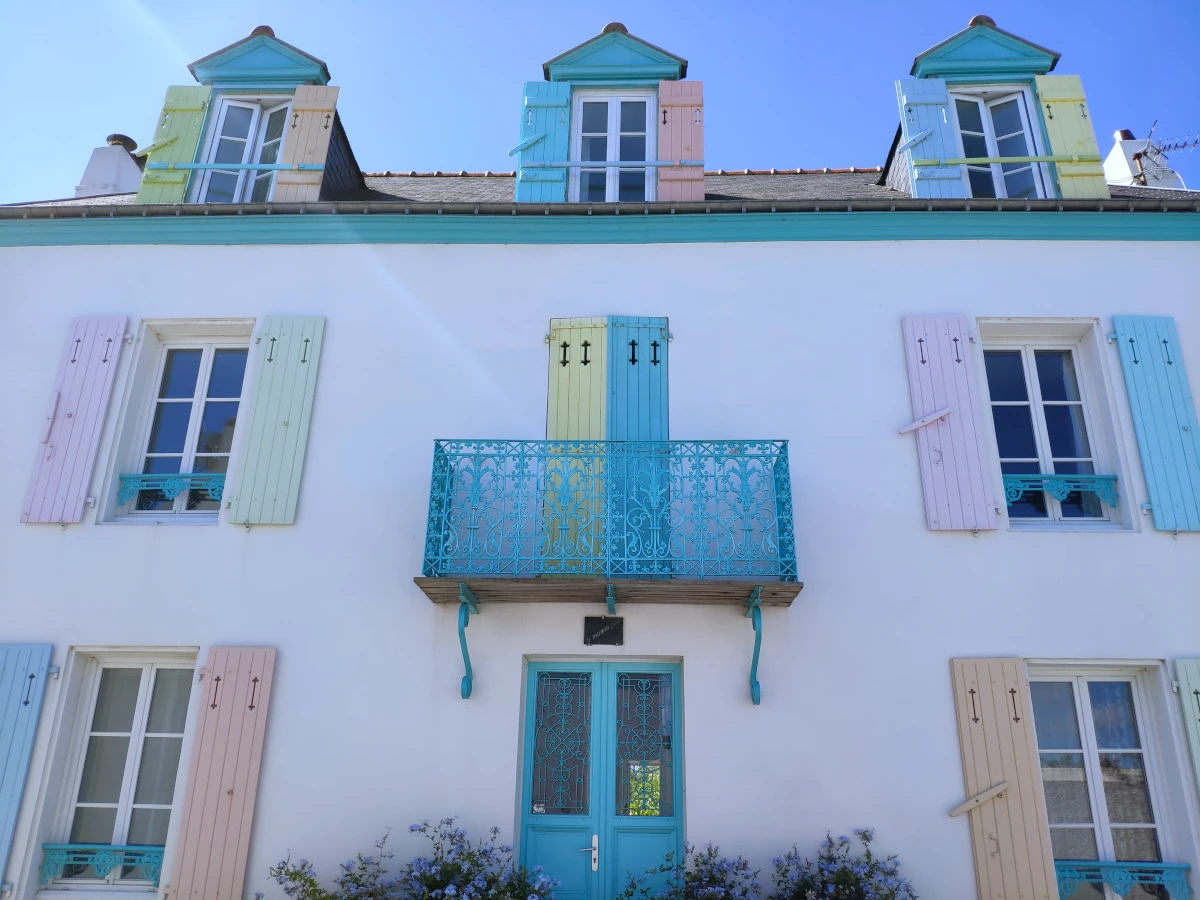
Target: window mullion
x=1091, y=763
x=1041, y=432
x=188, y=461
x=612, y=177
x=133, y=761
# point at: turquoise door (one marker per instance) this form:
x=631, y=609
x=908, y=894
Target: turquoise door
x=603, y=781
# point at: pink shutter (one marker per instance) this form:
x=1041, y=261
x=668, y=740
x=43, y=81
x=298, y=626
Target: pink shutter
x=218, y=805
x=941, y=376
x=681, y=137
x=70, y=434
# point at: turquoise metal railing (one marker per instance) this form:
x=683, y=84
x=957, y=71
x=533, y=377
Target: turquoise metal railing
x=614, y=509
x=101, y=859
x=1059, y=486
x=1122, y=877
x=171, y=486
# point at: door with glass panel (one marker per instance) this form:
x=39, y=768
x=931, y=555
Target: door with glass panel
x=124, y=782
x=603, y=779
x=1098, y=783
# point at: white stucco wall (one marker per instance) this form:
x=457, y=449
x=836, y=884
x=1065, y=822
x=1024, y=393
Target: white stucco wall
x=789, y=340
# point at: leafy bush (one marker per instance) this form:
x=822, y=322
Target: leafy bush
x=361, y=878
x=701, y=875
x=836, y=875
x=458, y=870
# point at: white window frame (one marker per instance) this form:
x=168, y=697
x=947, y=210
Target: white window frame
x=613, y=98
x=261, y=108
x=989, y=96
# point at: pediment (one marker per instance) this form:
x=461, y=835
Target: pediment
x=261, y=60
x=615, y=55
x=983, y=51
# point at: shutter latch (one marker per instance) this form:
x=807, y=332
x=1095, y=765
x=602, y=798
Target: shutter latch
x=979, y=799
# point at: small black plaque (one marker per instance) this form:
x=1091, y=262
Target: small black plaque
x=603, y=630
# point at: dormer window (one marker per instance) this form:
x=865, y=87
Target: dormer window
x=613, y=128
x=246, y=132
x=993, y=127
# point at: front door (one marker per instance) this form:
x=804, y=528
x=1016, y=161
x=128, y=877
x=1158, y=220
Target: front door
x=603, y=778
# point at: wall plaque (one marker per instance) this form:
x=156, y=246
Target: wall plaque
x=603, y=630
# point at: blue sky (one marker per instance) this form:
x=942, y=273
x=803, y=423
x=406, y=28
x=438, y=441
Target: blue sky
x=438, y=85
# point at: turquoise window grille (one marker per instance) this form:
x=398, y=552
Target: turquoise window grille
x=66, y=860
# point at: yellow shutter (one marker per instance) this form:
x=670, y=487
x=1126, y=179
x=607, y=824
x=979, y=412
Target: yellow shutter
x=306, y=142
x=1069, y=126
x=576, y=406
x=1010, y=834
x=175, y=141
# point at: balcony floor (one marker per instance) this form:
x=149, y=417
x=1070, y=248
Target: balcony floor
x=706, y=592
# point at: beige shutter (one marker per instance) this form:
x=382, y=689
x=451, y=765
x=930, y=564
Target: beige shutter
x=306, y=141
x=1010, y=834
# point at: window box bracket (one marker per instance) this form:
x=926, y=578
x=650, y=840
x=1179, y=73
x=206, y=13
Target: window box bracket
x=754, y=613
x=171, y=485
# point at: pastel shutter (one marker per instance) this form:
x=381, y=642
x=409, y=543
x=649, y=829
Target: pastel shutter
x=23, y=672
x=74, y=420
x=1187, y=672
x=545, y=137
x=681, y=137
x=926, y=132
x=266, y=485
x=222, y=786
x=1010, y=832
x=576, y=405
x=176, y=140
x=306, y=142
x=941, y=376
x=1164, y=417
x=637, y=375
x=1069, y=128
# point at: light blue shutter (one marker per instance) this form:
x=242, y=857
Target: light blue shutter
x=637, y=375
x=23, y=669
x=1164, y=416
x=545, y=137
x=926, y=132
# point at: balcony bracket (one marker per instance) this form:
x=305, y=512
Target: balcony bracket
x=468, y=605
x=611, y=596
x=754, y=613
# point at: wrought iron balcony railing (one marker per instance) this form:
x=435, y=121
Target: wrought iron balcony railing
x=611, y=509
x=1122, y=877
x=75, y=860
x=171, y=486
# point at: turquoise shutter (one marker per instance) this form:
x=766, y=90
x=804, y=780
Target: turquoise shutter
x=23, y=670
x=545, y=137
x=267, y=480
x=1187, y=672
x=926, y=132
x=637, y=374
x=1164, y=416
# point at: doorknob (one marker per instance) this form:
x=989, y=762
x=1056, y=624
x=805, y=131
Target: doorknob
x=595, y=851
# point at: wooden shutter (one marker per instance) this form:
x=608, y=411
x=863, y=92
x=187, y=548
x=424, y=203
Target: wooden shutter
x=545, y=137
x=218, y=805
x=306, y=141
x=180, y=127
x=1010, y=833
x=74, y=421
x=23, y=671
x=941, y=376
x=680, y=137
x=1069, y=127
x=926, y=132
x=637, y=391
x=1187, y=671
x=1164, y=417
x=576, y=405
x=271, y=458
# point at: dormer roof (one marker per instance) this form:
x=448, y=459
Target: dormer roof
x=615, y=55
x=260, y=60
x=982, y=52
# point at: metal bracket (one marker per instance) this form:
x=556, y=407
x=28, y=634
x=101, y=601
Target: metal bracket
x=468, y=605
x=754, y=613
x=6, y=889
x=53, y=670
x=612, y=599
x=979, y=799
x=925, y=420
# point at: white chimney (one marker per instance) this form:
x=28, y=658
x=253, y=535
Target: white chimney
x=1140, y=164
x=112, y=169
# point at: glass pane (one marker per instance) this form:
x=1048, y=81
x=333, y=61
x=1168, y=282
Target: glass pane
x=1014, y=432
x=981, y=182
x=116, y=699
x=228, y=370
x=169, y=430
x=591, y=187
x=275, y=123
x=1090, y=891
x=1013, y=145
x=229, y=151
x=633, y=186
x=1054, y=715
x=200, y=499
x=270, y=155
x=975, y=147
x=262, y=188
x=104, y=769
x=1138, y=844
x=562, y=743
x=93, y=825
x=1125, y=791
x=221, y=188
x=1056, y=375
x=1073, y=843
x=1113, y=715
x=156, y=775
x=169, y=701
x=237, y=121
x=148, y=827
x=216, y=426
x=645, y=759
x=1005, y=375
x=633, y=116
x=157, y=465
x=633, y=147
x=1068, y=436
x=969, y=118
x=1006, y=118
x=1020, y=185
x=595, y=118
x=179, y=374
x=1065, y=784
x=595, y=149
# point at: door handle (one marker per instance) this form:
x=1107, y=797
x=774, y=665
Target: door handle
x=595, y=851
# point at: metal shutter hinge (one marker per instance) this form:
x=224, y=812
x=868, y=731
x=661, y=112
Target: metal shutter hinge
x=53, y=670
x=1111, y=338
x=1175, y=687
x=6, y=889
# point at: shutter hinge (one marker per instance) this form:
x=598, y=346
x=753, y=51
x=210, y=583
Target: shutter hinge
x=1175, y=687
x=53, y=670
x=200, y=673
x=129, y=338
x=1146, y=507
x=6, y=889
x=1112, y=337
x=91, y=502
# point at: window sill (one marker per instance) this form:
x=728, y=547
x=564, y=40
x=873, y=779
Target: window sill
x=1086, y=527
x=172, y=520
x=95, y=891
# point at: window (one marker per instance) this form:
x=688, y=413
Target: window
x=1100, y=794
x=613, y=128
x=245, y=132
x=124, y=781
x=992, y=125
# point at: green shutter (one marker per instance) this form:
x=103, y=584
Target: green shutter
x=1188, y=673
x=266, y=482
x=175, y=141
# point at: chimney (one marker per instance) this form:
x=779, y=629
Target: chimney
x=112, y=169
x=1139, y=163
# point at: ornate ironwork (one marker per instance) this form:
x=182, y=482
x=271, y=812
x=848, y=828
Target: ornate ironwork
x=101, y=858
x=171, y=486
x=467, y=605
x=754, y=614
x=645, y=765
x=617, y=509
x=562, y=743
x=1122, y=877
x=1059, y=486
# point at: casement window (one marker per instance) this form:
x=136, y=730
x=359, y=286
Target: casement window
x=613, y=127
x=245, y=131
x=994, y=125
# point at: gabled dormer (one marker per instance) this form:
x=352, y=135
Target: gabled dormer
x=261, y=127
x=613, y=121
x=982, y=117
